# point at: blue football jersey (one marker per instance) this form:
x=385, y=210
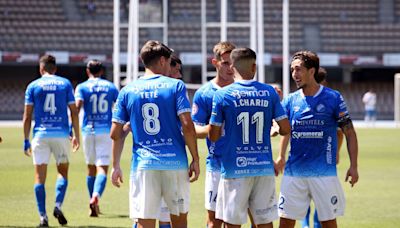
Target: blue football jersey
x=98, y=96
x=201, y=114
x=152, y=104
x=246, y=109
x=50, y=96
x=314, y=121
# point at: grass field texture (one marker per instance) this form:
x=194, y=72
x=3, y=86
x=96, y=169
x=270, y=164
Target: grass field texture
x=373, y=202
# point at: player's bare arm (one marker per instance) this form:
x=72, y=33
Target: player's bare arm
x=202, y=131
x=27, y=122
x=117, y=136
x=190, y=139
x=352, y=147
x=75, y=126
x=215, y=133
x=280, y=161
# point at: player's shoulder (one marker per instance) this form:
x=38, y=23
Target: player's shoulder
x=206, y=89
x=326, y=91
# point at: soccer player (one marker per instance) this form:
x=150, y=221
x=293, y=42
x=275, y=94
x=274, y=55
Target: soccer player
x=97, y=97
x=154, y=105
x=320, y=78
x=314, y=112
x=49, y=97
x=201, y=113
x=246, y=109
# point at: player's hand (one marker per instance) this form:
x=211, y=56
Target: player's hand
x=279, y=165
x=27, y=148
x=352, y=173
x=75, y=144
x=194, y=170
x=116, y=177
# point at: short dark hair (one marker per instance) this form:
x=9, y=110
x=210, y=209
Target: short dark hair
x=152, y=51
x=309, y=59
x=48, y=63
x=94, y=66
x=321, y=76
x=175, y=60
x=239, y=54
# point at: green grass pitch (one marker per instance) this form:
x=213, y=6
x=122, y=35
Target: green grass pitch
x=373, y=202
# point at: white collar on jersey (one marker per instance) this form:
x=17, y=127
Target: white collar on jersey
x=321, y=87
x=47, y=75
x=215, y=84
x=244, y=81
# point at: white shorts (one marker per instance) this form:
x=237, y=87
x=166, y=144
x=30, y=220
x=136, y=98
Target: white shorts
x=43, y=147
x=149, y=187
x=237, y=195
x=97, y=149
x=211, y=189
x=164, y=212
x=296, y=194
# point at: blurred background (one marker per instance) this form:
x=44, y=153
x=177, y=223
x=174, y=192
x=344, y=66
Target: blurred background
x=358, y=41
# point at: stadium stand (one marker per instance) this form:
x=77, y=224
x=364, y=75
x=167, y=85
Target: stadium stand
x=348, y=28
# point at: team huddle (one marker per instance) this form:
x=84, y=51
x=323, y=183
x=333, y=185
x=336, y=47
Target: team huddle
x=233, y=112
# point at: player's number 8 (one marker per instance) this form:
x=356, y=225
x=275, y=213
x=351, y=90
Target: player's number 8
x=150, y=113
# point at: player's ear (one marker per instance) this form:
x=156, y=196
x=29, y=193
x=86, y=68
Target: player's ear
x=214, y=62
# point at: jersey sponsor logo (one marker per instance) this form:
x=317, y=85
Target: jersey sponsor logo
x=309, y=122
x=244, y=162
x=254, y=93
x=308, y=135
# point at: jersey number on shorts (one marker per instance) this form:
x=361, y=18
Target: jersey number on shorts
x=101, y=106
x=151, y=123
x=257, y=119
x=50, y=103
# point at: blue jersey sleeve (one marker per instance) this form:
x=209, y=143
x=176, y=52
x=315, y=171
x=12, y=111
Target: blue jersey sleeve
x=182, y=102
x=70, y=94
x=279, y=112
x=120, y=113
x=285, y=105
x=199, y=109
x=341, y=112
x=217, y=109
x=79, y=92
x=29, y=95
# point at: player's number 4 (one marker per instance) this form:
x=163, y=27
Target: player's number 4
x=50, y=103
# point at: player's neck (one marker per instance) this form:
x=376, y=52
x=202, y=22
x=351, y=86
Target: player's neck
x=311, y=89
x=221, y=82
x=152, y=71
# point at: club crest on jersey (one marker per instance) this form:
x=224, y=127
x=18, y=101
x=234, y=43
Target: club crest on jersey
x=320, y=108
x=195, y=109
x=334, y=200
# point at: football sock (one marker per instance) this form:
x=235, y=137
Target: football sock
x=165, y=226
x=61, y=188
x=305, y=222
x=90, y=184
x=40, y=194
x=134, y=225
x=100, y=184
